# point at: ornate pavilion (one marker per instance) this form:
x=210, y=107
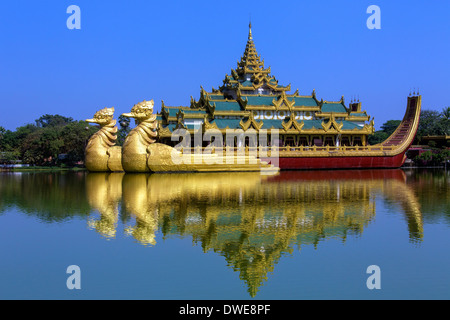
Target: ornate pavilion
x=251, y=98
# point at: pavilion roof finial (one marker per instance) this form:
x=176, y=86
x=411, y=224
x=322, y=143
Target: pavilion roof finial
x=250, y=37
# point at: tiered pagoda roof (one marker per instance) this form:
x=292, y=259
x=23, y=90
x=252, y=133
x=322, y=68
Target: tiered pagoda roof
x=252, y=97
x=250, y=74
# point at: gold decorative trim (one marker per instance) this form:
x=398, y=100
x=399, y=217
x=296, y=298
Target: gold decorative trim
x=293, y=123
x=332, y=124
x=251, y=122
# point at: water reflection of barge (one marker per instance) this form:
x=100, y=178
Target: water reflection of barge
x=249, y=219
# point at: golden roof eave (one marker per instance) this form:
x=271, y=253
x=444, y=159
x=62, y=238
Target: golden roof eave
x=232, y=113
x=251, y=122
x=329, y=114
x=282, y=108
x=357, y=119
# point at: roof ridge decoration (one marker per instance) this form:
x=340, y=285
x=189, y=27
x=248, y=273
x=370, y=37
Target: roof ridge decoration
x=251, y=122
x=332, y=123
x=293, y=123
x=180, y=121
x=283, y=99
x=208, y=125
x=242, y=101
x=164, y=113
x=193, y=102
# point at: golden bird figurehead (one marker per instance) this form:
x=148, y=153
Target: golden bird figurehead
x=103, y=117
x=141, y=111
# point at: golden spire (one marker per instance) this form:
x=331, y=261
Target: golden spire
x=250, y=71
x=250, y=61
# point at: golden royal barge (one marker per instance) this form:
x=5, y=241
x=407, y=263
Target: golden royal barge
x=300, y=131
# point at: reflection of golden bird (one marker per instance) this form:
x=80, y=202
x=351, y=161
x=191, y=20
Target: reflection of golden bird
x=101, y=154
x=134, y=152
x=104, y=192
x=136, y=202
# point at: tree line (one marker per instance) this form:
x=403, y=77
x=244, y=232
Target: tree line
x=55, y=139
x=51, y=140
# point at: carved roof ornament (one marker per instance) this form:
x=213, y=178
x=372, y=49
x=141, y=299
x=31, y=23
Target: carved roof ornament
x=208, y=125
x=292, y=124
x=332, y=124
x=283, y=101
x=251, y=123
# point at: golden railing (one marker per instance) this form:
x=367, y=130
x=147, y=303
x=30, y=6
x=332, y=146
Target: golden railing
x=294, y=151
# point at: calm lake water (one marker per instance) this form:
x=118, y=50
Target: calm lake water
x=296, y=235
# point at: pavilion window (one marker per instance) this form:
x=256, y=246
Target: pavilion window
x=329, y=141
x=357, y=141
x=303, y=141
x=289, y=141
x=345, y=141
x=251, y=141
x=317, y=141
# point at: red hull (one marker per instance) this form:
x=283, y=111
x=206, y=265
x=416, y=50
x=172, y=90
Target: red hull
x=364, y=162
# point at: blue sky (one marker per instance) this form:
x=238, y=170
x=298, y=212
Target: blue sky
x=128, y=51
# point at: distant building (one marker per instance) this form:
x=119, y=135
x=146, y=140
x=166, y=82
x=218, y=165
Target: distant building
x=436, y=141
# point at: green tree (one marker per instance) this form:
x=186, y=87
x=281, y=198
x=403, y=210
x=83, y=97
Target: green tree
x=424, y=158
x=446, y=120
x=12, y=141
x=75, y=136
x=378, y=137
x=446, y=113
x=435, y=157
x=30, y=148
x=49, y=120
x=2, y=137
x=431, y=124
x=41, y=144
x=8, y=150
x=124, y=129
x=390, y=126
x=386, y=130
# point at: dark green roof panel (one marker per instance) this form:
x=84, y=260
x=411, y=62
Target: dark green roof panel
x=304, y=101
x=354, y=114
x=217, y=97
x=231, y=123
x=259, y=100
x=333, y=107
x=226, y=105
x=348, y=125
